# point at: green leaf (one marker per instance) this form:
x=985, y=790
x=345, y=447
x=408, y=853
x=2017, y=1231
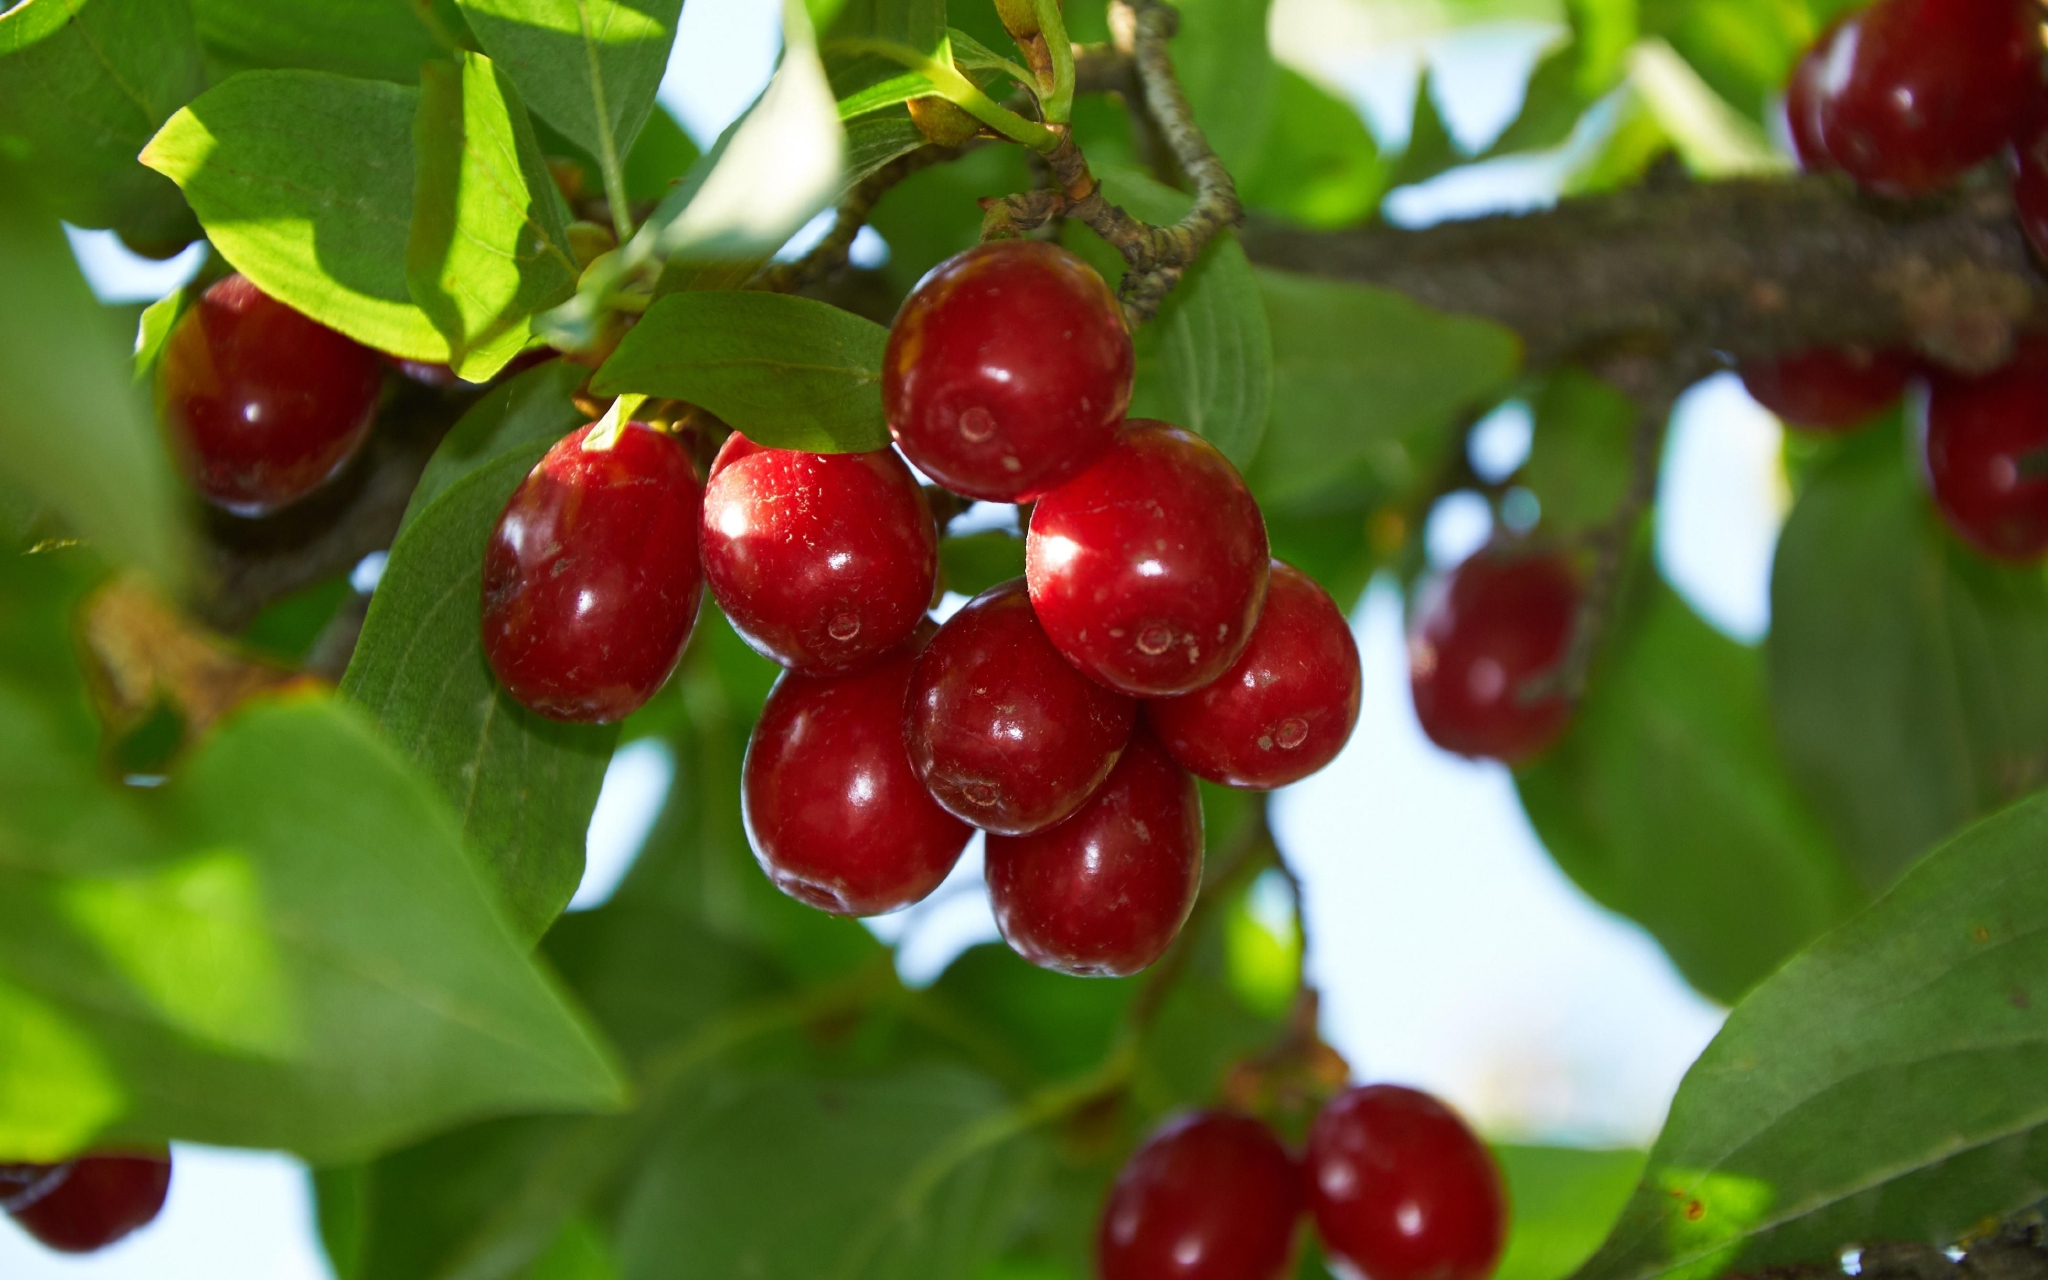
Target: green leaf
x=659, y=159
x=523, y=785
x=1578, y=464
x=1367, y=387
x=1206, y=361
x=1743, y=49
x=1562, y=1202
x=1908, y=675
x=304, y=181
x=154, y=329
x=863, y=80
x=74, y=432
x=83, y=85
x=1319, y=164
x=1431, y=149
x=887, y=1183
x=535, y=408
x=1714, y=139
x=588, y=67
x=487, y=249
x=1888, y=1084
x=1667, y=801
x=1231, y=80
x=374, y=39
x=789, y=372
x=973, y=563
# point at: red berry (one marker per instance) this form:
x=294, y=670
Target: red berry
x=835, y=814
x=1103, y=893
x=2030, y=181
x=1211, y=1196
x=1003, y=730
x=820, y=560
x=23, y=1184
x=1986, y=444
x=1285, y=708
x=1491, y=629
x=1401, y=1189
x=591, y=579
x=100, y=1200
x=262, y=404
x=1008, y=370
x=1802, y=106
x=1915, y=92
x=1828, y=388
x=1147, y=571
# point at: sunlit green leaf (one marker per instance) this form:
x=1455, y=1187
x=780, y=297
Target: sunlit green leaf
x=377, y=39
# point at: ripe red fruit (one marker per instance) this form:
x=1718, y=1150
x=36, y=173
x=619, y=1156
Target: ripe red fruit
x=1488, y=631
x=1103, y=893
x=821, y=561
x=1210, y=1196
x=2030, y=181
x=1007, y=371
x=834, y=812
x=1986, y=452
x=1004, y=731
x=262, y=404
x=1401, y=1189
x=1147, y=571
x=1914, y=92
x=591, y=579
x=1828, y=388
x=97, y=1202
x=1803, y=96
x=23, y=1184
x=1285, y=708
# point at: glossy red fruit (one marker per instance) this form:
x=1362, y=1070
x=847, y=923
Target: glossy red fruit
x=1147, y=571
x=591, y=579
x=1915, y=92
x=1210, y=1196
x=834, y=812
x=262, y=404
x=1007, y=371
x=100, y=1200
x=1102, y=894
x=1287, y=705
x=2030, y=181
x=821, y=561
x=1829, y=388
x=1004, y=731
x=1492, y=628
x=1986, y=453
x=1401, y=1189
x=1802, y=106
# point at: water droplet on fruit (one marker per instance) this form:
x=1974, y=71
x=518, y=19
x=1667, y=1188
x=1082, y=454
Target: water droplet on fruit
x=977, y=424
x=1293, y=732
x=1155, y=640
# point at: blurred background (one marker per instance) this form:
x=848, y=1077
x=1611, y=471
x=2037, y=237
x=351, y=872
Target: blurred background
x=1451, y=952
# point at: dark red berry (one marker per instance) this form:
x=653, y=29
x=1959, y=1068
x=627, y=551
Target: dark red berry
x=1003, y=730
x=1103, y=893
x=1210, y=1196
x=1147, y=571
x=1401, y=1189
x=1285, y=708
x=1008, y=370
x=100, y=1200
x=2030, y=182
x=23, y=1184
x=1829, y=388
x=1489, y=633
x=262, y=404
x=835, y=814
x=821, y=561
x=1802, y=106
x=1915, y=92
x=1986, y=445
x=591, y=579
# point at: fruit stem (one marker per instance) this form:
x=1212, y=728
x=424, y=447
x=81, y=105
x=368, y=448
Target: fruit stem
x=1052, y=29
x=957, y=89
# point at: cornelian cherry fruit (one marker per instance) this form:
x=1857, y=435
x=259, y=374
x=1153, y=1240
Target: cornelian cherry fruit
x=1004, y=731
x=262, y=405
x=2030, y=183
x=1210, y=1196
x=821, y=561
x=1285, y=708
x=1103, y=893
x=591, y=578
x=1986, y=454
x=92, y=1202
x=1802, y=106
x=1148, y=570
x=1829, y=388
x=1492, y=628
x=1007, y=370
x=1914, y=92
x=834, y=812
x=1401, y=1189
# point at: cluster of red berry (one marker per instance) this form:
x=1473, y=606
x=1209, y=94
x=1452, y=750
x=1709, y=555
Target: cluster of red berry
x=85, y=1204
x=1396, y=1185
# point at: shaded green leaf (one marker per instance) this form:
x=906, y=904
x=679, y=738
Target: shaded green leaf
x=1319, y=164
x=863, y=80
x=1562, y=1202
x=375, y=39
x=1888, y=1084
x=1431, y=149
x=534, y=408
x=1578, y=464
x=1221, y=58
x=973, y=563
x=1908, y=675
x=663, y=154
x=789, y=372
